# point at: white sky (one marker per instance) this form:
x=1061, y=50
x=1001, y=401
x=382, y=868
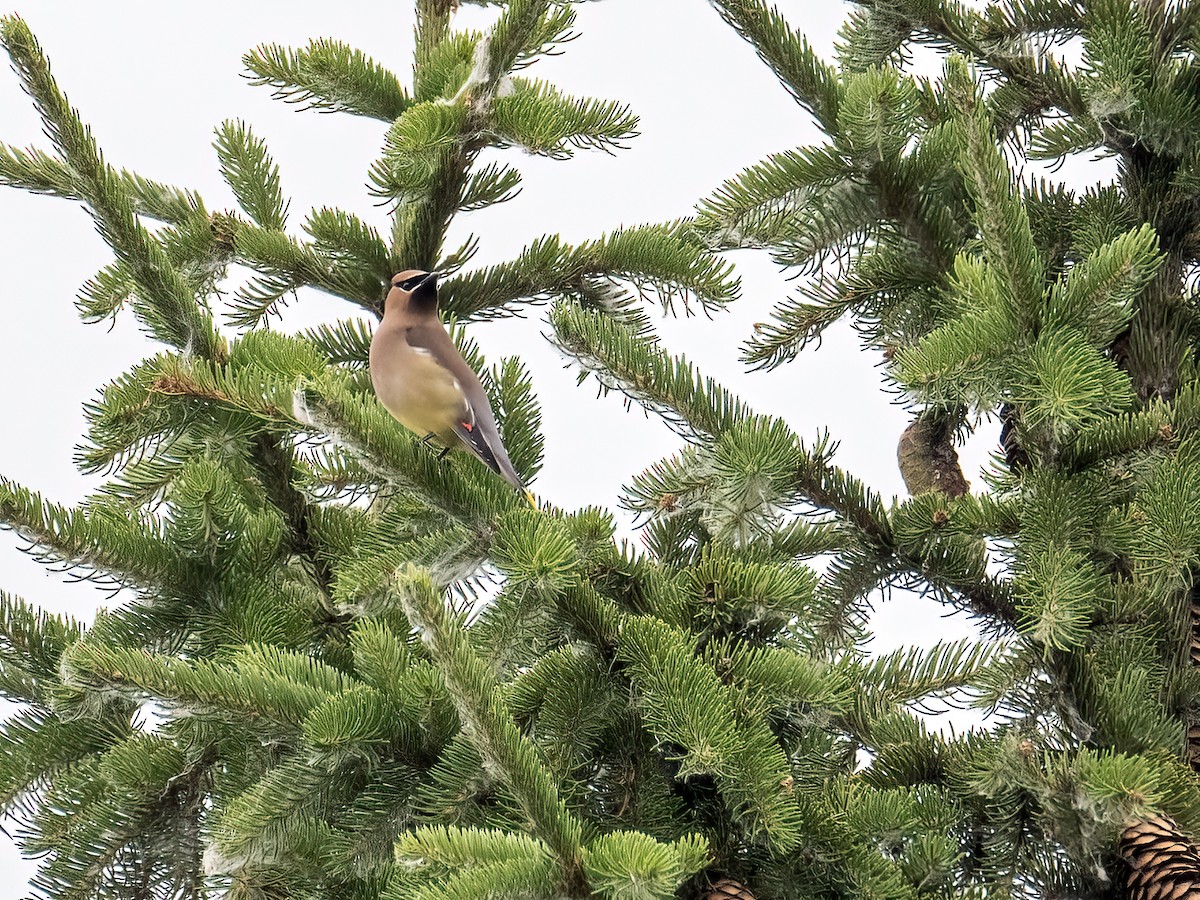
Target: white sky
x=153, y=79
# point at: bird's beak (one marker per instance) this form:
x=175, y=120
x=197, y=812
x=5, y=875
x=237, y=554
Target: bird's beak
x=430, y=279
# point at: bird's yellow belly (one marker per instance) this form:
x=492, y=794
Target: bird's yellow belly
x=425, y=400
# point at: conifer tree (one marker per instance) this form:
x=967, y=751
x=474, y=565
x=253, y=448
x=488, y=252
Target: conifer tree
x=1066, y=311
x=340, y=711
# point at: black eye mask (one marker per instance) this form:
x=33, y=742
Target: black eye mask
x=409, y=284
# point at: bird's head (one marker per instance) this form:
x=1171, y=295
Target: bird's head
x=413, y=290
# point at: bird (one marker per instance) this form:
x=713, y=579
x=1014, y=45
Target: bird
x=423, y=381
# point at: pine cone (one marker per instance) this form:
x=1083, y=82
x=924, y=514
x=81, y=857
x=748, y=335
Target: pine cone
x=1193, y=732
x=1193, y=745
x=928, y=460
x=728, y=889
x=1014, y=453
x=1194, y=604
x=1163, y=863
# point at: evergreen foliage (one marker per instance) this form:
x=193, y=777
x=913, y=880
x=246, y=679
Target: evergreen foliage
x=349, y=668
x=1067, y=312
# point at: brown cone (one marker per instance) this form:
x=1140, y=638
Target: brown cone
x=928, y=460
x=1195, y=611
x=1163, y=862
x=1014, y=453
x=728, y=889
x=1193, y=730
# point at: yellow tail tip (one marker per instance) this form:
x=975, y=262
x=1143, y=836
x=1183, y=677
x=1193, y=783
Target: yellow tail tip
x=532, y=500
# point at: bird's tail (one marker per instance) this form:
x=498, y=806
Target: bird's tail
x=494, y=457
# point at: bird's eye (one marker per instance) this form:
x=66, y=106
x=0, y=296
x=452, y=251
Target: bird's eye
x=410, y=283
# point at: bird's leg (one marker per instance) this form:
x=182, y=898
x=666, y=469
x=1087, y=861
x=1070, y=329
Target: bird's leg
x=428, y=442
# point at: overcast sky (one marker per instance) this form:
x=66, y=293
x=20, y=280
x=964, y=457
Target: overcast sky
x=153, y=79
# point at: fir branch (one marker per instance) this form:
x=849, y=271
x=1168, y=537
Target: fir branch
x=284, y=265
x=519, y=416
x=424, y=167
x=1019, y=18
x=983, y=595
x=716, y=738
x=657, y=259
x=784, y=678
x=36, y=744
x=1114, y=436
x=407, y=531
x=200, y=247
x=957, y=28
x=251, y=174
x=827, y=486
x=444, y=59
x=535, y=116
x=517, y=877
x=256, y=392
x=630, y=863
x=522, y=32
x=432, y=146
x=279, y=686
x=37, y=171
x=535, y=553
x=326, y=473
x=419, y=149
x=104, y=540
x=696, y=407
x=328, y=76
x=1099, y=294
x=801, y=538
x=456, y=849
x=872, y=38
x=752, y=209
x=1065, y=137
x=32, y=638
x=754, y=464
x=1067, y=385
x=968, y=358
x=812, y=82
x=1003, y=221
x=362, y=717
x=346, y=342
x=665, y=260
x=891, y=290
x=914, y=674
x=164, y=202
x=346, y=238
x=382, y=657
x=492, y=184
x=107, y=823
x=488, y=724
x=258, y=826
x=432, y=29
x=169, y=308
x=798, y=323
x=878, y=116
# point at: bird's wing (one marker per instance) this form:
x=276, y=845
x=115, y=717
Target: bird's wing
x=478, y=429
x=472, y=435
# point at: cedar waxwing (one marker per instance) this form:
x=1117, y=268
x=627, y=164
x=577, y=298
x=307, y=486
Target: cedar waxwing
x=423, y=381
